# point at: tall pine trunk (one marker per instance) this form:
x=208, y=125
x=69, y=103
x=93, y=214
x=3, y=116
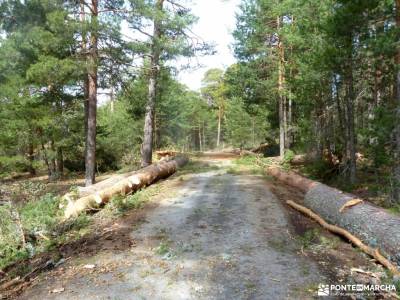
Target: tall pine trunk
x=53, y=165
x=350, y=126
x=200, y=141
x=31, y=168
x=219, y=127
x=90, y=157
x=396, y=168
x=86, y=77
x=289, y=133
x=60, y=161
x=147, y=147
x=282, y=100
x=204, y=136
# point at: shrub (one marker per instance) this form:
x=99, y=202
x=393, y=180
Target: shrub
x=40, y=216
x=13, y=164
x=288, y=156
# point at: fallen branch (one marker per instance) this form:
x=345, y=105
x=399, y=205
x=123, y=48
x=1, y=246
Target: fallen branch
x=340, y=231
x=376, y=226
x=11, y=283
x=141, y=178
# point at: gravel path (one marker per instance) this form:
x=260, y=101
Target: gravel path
x=221, y=236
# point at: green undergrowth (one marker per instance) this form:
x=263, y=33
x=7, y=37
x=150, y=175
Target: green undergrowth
x=249, y=164
x=195, y=166
x=27, y=228
x=395, y=210
x=38, y=226
x=119, y=205
x=314, y=240
x=245, y=165
x=373, y=184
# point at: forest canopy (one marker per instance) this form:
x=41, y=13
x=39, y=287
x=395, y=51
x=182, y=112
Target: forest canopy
x=91, y=89
x=80, y=95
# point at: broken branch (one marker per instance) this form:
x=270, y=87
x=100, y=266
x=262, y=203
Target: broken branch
x=344, y=233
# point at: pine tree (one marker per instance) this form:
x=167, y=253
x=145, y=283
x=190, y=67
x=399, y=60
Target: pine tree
x=170, y=39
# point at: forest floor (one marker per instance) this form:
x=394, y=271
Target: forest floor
x=216, y=230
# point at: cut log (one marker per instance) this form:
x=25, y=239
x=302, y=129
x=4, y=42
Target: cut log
x=139, y=179
x=101, y=185
x=375, y=226
x=344, y=233
x=299, y=159
x=260, y=148
x=246, y=152
x=291, y=178
x=165, y=153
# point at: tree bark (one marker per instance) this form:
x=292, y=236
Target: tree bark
x=219, y=127
x=200, y=141
x=90, y=157
x=396, y=168
x=60, y=161
x=341, y=117
x=373, y=225
x=204, y=136
x=289, y=133
x=45, y=158
x=285, y=125
x=281, y=82
x=374, y=253
x=351, y=143
x=112, y=99
x=31, y=170
x=53, y=166
x=253, y=132
x=147, y=146
x=85, y=77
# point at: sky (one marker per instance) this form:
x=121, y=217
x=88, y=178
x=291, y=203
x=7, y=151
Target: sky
x=216, y=23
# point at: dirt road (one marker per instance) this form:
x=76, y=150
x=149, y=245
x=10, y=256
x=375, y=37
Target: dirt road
x=219, y=236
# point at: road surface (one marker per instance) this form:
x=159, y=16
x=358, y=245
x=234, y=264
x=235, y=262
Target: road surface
x=218, y=236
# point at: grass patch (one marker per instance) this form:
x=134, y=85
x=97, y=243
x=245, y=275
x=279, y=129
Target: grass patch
x=247, y=164
x=247, y=160
x=121, y=204
x=309, y=238
x=163, y=248
x=313, y=239
x=194, y=166
x=32, y=223
x=395, y=209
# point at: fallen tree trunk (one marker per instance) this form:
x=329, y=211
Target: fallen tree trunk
x=373, y=225
x=139, y=179
x=165, y=153
x=292, y=179
x=299, y=159
x=260, y=148
x=344, y=233
x=94, y=188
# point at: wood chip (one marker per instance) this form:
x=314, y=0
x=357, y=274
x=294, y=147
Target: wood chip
x=350, y=203
x=58, y=290
x=89, y=266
